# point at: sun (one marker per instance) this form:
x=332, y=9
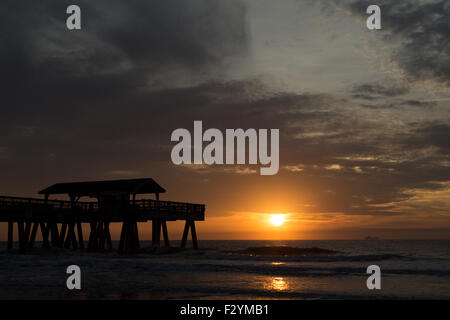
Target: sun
x=277, y=219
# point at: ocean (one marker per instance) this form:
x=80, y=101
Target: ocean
x=220, y=270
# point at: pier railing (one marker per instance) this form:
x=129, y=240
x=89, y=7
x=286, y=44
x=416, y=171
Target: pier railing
x=170, y=208
x=17, y=207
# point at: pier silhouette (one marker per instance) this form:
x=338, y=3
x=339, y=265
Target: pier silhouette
x=60, y=221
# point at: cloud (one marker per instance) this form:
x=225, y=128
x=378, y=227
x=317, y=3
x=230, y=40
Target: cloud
x=376, y=89
x=333, y=167
x=419, y=32
x=436, y=134
x=294, y=168
x=395, y=104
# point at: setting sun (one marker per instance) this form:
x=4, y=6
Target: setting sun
x=277, y=219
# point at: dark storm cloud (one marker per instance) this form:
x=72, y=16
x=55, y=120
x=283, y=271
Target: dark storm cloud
x=420, y=30
x=191, y=33
x=80, y=103
x=121, y=44
x=54, y=79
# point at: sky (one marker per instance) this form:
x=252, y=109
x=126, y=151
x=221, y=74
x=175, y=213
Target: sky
x=363, y=114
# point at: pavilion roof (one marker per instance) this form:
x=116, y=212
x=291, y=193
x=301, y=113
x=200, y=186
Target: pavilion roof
x=130, y=186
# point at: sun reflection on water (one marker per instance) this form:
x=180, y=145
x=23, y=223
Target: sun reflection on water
x=277, y=284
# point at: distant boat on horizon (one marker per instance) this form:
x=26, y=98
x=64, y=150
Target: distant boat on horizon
x=371, y=238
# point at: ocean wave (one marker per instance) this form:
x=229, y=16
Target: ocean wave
x=284, y=251
x=312, y=271
x=295, y=254
x=307, y=258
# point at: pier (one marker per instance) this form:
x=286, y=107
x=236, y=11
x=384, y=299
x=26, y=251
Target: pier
x=60, y=221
